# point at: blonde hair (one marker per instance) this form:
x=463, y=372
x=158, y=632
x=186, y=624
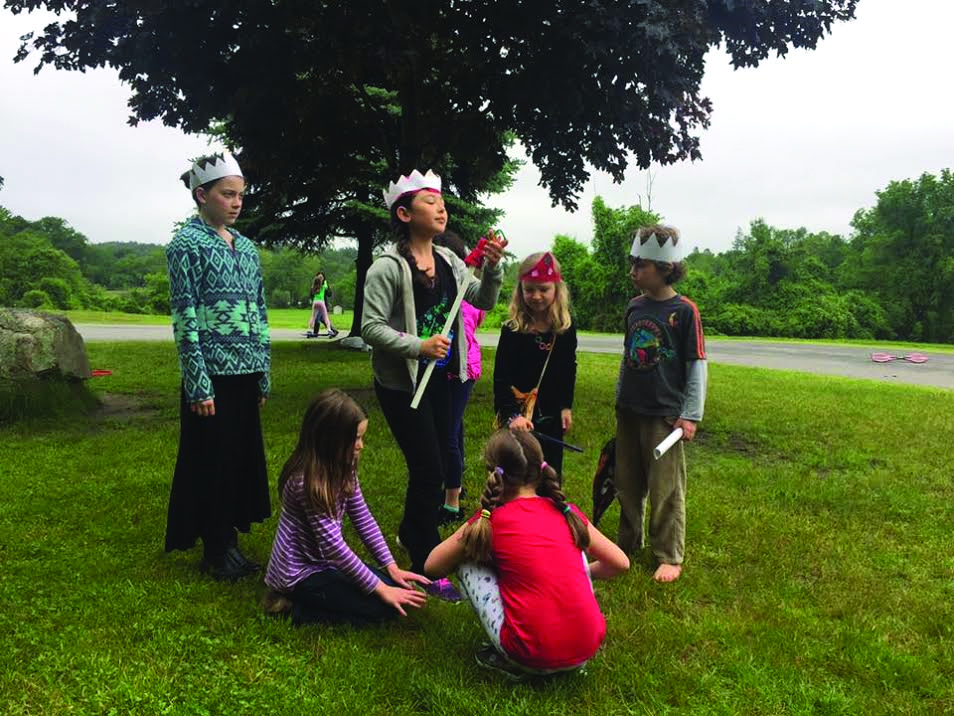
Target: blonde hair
x=514, y=459
x=559, y=314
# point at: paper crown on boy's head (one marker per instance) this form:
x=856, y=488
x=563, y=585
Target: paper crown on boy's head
x=543, y=271
x=413, y=182
x=212, y=167
x=652, y=245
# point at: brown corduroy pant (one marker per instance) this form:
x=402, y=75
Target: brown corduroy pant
x=639, y=476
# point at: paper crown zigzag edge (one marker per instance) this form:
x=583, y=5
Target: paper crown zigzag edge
x=415, y=181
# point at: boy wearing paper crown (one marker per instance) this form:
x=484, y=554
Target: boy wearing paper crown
x=220, y=484
x=662, y=386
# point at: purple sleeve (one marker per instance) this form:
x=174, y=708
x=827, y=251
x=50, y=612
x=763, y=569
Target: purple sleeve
x=367, y=528
x=337, y=552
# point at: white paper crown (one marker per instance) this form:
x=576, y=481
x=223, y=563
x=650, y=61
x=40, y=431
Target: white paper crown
x=651, y=251
x=415, y=181
x=213, y=167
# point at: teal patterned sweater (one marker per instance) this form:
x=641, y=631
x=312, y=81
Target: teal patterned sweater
x=218, y=308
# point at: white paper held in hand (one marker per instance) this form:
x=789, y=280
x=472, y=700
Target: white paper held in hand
x=663, y=447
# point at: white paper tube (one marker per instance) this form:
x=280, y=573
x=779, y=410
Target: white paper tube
x=663, y=447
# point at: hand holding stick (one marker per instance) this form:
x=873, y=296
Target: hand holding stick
x=475, y=259
x=663, y=447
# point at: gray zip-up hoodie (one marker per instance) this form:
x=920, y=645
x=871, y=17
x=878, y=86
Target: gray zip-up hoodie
x=389, y=322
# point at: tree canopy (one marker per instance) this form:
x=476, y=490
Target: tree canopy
x=389, y=87
x=903, y=255
x=328, y=101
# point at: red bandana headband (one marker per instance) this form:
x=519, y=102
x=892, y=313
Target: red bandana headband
x=543, y=271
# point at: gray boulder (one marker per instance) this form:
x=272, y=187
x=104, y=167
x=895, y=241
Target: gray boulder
x=354, y=343
x=36, y=344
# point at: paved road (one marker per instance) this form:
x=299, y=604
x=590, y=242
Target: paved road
x=850, y=361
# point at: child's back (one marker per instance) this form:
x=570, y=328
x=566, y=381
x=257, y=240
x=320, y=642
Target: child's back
x=544, y=586
x=522, y=564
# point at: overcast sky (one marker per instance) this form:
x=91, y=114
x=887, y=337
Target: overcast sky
x=802, y=141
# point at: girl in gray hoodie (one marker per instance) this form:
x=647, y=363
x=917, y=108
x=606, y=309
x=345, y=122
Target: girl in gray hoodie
x=408, y=294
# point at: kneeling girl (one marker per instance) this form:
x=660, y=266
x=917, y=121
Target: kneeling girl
x=312, y=570
x=522, y=563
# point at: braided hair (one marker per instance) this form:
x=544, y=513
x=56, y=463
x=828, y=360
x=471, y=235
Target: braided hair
x=513, y=460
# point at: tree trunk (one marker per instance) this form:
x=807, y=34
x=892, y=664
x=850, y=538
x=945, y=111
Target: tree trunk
x=365, y=237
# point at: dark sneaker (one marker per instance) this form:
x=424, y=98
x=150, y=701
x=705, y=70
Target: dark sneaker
x=446, y=517
x=235, y=554
x=489, y=658
x=225, y=568
x=333, y=332
x=444, y=590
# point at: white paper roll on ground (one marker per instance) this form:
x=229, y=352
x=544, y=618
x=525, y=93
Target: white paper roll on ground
x=661, y=449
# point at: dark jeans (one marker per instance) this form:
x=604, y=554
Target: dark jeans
x=330, y=597
x=459, y=395
x=424, y=437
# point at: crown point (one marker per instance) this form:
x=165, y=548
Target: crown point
x=413, y=182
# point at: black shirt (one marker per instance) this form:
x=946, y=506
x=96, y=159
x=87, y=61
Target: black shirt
x=519, y=360
x=431, y=306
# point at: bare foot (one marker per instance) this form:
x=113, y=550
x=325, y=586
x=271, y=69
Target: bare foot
x=668, y=572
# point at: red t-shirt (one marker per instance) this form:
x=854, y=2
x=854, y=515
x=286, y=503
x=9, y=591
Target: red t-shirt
x=551, y=618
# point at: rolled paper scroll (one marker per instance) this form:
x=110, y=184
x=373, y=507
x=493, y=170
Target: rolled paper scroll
x=663, y=447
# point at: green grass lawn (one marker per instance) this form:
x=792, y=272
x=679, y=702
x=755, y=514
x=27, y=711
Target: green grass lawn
x=277, y=318
x=819, y=576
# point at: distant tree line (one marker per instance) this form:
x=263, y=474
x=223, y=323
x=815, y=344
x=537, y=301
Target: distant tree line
x=893, y=279
x=47, y=264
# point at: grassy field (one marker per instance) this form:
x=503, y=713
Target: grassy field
x=819, y=576
x=277, y=318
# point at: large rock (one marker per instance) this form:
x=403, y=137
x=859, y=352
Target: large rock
x=354, y=343
x=35, y=344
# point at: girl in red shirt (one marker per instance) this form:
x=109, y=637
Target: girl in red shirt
x=522, y=563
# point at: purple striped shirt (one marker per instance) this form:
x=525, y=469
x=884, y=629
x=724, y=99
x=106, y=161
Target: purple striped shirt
x=307, y=542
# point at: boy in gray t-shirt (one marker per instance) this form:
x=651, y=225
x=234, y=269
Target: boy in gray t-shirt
x=662, y=386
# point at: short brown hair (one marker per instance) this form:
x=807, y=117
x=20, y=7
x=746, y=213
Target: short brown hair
x=673, y=272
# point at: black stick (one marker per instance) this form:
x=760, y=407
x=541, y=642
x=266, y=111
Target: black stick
x=574, y=448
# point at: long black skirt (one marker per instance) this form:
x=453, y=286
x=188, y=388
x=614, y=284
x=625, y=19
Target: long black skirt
x=221, y=482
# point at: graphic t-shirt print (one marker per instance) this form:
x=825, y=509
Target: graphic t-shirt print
x=649, y=344
x=431, y=323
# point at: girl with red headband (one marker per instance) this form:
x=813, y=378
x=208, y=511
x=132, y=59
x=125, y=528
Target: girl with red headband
x=535, y=365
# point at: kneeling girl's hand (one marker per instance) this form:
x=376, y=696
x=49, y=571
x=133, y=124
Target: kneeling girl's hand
x=398, y=597
x=404, y=578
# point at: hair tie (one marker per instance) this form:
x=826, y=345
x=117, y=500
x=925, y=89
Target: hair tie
x=566, y=509
x=499, y=470
x=543, y=466
x=485, y=514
